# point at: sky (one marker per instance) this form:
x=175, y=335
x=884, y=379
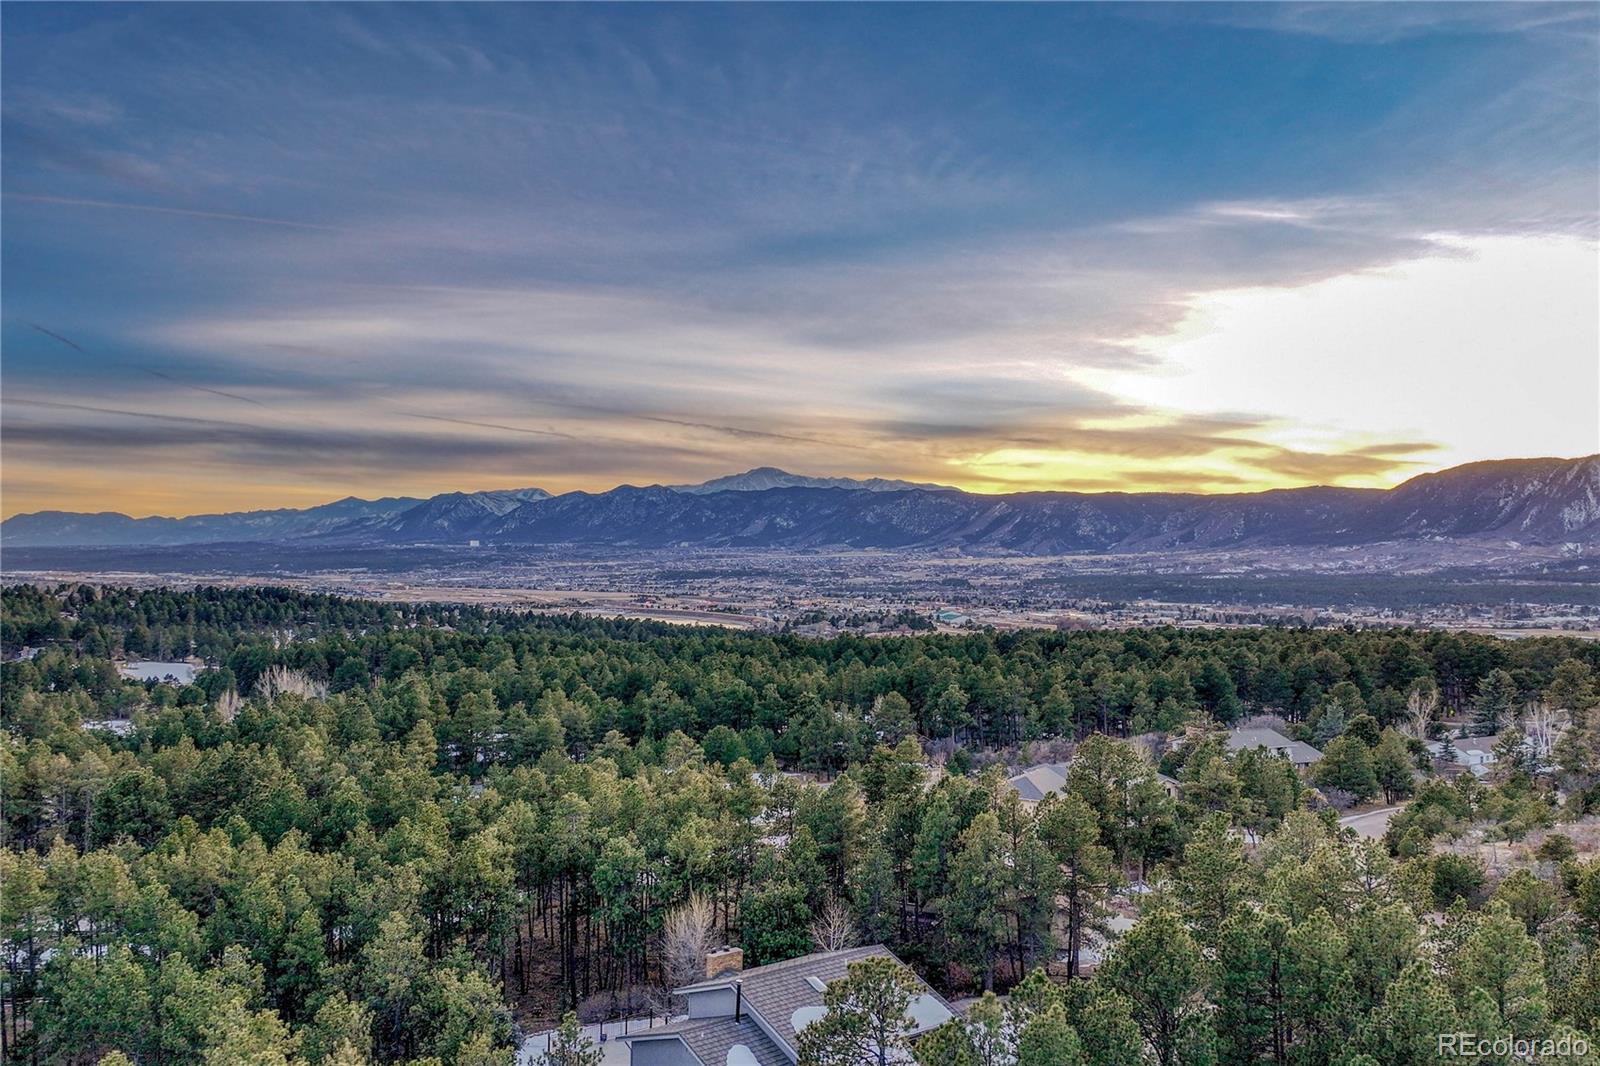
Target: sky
x=271, y=254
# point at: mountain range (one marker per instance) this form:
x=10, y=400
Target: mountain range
x=770, y=477
x=1528, y=501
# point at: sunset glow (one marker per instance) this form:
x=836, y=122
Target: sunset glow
x=281, y=258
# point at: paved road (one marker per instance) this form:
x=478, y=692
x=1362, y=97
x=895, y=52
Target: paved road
x=1372, y=823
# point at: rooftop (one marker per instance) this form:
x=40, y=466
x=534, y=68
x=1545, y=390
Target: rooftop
x=716, y=1041
x=789, y=994
x=1245, y=738
x=1481, y=745
x=1037, y=782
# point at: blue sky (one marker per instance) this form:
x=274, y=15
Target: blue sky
x=273, y=254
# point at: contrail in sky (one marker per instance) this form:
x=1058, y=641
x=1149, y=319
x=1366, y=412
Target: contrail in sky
x=199, y=388
x=75, y=346
x=60, y=405
x=53, y=335
x=68, y=201
x=491, y=425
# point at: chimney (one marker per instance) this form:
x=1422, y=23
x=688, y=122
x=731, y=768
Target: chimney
x=724, y=960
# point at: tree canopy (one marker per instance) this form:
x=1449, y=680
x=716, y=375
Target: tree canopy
x=376, y=832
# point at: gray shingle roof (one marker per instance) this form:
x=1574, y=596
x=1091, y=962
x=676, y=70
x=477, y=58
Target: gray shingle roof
x=1298, y=752
x=1037, y=782
x=712, y=1038
x=1255, y=737
x=778, y=990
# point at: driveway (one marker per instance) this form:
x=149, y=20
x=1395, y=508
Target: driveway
x=1372, y=823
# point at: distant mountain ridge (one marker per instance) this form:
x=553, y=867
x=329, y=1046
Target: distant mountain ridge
x=1526, y=501
x=770, y=477
x=71, y=528
x=110, y=528
x=448, y=516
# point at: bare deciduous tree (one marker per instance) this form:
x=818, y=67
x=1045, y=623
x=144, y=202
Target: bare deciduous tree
x=1422, y=707
x=1539, y=726
x=835, y=927
x=282, y=681
x=685, y=943
x=228, y=705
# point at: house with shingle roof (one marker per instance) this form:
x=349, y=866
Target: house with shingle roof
x=1475, y=754
x=1050, y=779
x=1036, y=782
x=1470, y=751
x=1301, y=754
x=753, y=1017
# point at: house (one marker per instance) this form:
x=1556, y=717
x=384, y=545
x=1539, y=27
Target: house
x=1050, y=778
x=1471, y=752
x=739, y=1017
x=1299, y=753
x=1036, y=782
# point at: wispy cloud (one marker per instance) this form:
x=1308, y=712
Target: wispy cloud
x=1385, y=23
x=580, y=246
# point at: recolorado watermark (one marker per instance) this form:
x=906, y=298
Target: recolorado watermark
x=1473, y=1046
